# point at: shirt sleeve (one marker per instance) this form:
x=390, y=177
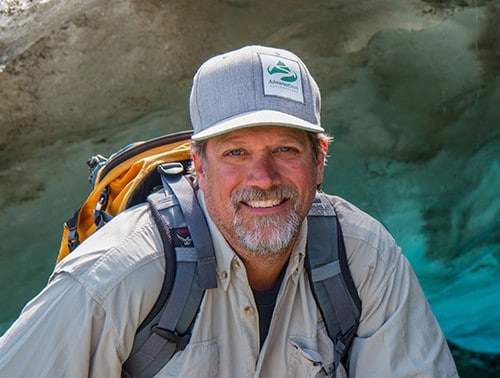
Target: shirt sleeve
x=83, y=323
x=398, y=335
x=62, y=332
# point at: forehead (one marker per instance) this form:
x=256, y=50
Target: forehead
x=262, y=135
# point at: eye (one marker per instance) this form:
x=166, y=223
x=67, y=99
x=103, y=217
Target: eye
x=286, y=149
x=235, y=152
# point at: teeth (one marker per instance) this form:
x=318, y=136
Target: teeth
x=264, y=203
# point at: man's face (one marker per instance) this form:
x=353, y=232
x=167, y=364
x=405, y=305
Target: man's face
x=258, y=185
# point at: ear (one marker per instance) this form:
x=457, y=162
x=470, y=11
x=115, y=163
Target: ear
x=198, y=169
x=320, y=164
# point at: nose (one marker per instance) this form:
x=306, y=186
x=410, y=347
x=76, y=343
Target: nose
x=263, y=172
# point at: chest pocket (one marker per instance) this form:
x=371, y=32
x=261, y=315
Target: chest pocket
x=311, y=357
x=197, y=360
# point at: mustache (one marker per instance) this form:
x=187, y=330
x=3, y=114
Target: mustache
x=281, y=192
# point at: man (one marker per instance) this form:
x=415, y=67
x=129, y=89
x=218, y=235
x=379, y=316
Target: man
x=259, y=152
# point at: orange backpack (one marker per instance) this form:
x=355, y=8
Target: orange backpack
x=121, y=181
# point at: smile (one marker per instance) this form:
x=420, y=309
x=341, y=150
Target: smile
x=264, y=203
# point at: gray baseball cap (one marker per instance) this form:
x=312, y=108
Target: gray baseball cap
x=253, y=86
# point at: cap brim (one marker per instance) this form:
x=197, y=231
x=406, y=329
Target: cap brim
x=254, y=119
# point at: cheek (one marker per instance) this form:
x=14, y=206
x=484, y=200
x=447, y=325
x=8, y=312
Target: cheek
x=304, y=175
x=218, y=202
x=219, y=185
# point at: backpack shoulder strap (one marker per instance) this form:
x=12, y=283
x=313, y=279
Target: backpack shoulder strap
x=190, y=270
x=329, y=274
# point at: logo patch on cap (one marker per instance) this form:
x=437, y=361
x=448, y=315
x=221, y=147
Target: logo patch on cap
x=281, y=77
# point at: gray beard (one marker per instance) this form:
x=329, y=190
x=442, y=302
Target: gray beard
x=268, y=236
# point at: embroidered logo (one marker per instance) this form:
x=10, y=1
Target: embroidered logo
x=286, y=73
x=182, y=237
x=281, y=77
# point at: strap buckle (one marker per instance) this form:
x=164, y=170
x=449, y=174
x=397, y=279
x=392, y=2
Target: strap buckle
x=181, y=341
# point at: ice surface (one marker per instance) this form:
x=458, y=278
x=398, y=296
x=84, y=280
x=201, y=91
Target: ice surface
x=414, y=110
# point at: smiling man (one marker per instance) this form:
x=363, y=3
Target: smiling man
x=259, y=151
x=259, y=193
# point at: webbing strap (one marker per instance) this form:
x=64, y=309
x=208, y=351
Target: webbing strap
x=137, y=364
x=169, y=335
x=195, y=272
x=328, y=269
x=186, y=254
x=156, y=348
x=154, y=201
x=197, y=226
x=325, y=265
x=72, y=238
x=334, y=287
x=178, y=297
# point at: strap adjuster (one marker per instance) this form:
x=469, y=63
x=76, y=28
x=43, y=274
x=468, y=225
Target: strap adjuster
x=181, y=341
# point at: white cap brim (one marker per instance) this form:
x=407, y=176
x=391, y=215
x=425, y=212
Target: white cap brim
x=254, y=119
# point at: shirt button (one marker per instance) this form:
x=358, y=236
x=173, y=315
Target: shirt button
x=248, y=311
x=236, y=265
x=223, y=275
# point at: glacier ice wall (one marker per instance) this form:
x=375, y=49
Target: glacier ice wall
x=411, y=91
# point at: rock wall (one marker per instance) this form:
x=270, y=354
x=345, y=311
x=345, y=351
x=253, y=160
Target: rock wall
x=73, y=67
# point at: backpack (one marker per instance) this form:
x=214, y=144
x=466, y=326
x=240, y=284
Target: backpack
x=122, y=181
x=157, y=171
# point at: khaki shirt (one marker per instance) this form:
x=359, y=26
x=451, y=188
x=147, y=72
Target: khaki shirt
x=83, y=323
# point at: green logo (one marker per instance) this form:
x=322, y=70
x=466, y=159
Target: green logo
x=281, y=68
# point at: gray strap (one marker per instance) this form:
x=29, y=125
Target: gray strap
x=321, y=209
x=328, y=269
x=186, y=254
x=322, y=253
x=159, y=347
x=336, y=289
x=176, y=303
x=169, y=335
x=197, y=226
x=143, y=362
x=195, y=272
